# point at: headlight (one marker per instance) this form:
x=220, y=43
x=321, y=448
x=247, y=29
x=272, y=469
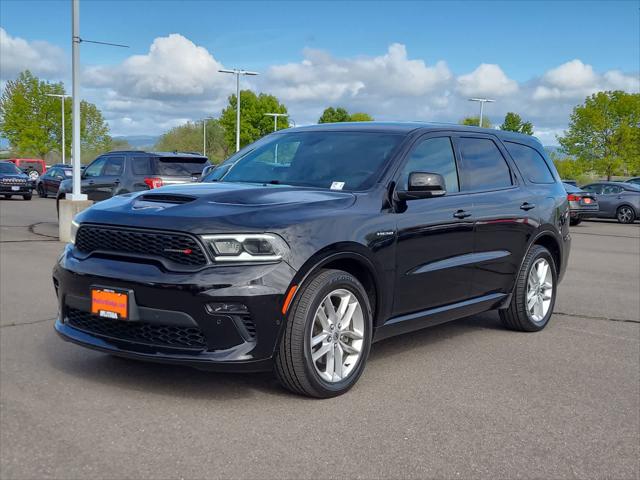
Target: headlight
x=74, y=230
x=262, y=247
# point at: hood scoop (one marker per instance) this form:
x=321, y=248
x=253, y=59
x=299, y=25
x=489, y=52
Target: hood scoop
x=174, y=199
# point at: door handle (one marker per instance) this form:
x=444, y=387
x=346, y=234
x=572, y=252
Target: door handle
x=527, y=206
x=461, y=214
x=116, y=181
x=91, y=182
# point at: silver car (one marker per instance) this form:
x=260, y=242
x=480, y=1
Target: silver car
x=619, y=200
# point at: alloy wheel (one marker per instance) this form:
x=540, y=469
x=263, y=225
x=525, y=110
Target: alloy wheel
x=337, y=336
x=625, y=215
x=539, y=290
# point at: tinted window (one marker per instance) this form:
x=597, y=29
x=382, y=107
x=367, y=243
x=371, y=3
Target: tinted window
x=434, y=155
x=323, y=159
x=95, y=169
x=483, y=166
x=611, y=189
x=530, y=163
x=37, y=166
x=595, y=188
x=141, y=166
x=181, y=167
x=113, y=166
x=69, y=173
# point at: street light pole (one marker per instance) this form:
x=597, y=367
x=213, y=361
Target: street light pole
x=62, y=97
x=237, y=72
x=204, y=135
x=75, y=94
x=482, y=101
x=275, y=118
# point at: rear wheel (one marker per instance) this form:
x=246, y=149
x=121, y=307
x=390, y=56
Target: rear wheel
x=42, y=193
x=327, y=337
x=534, y=295
x=625, y=214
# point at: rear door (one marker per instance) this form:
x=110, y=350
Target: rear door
x=609, y=200
x=596, y=190
x=503, y=222
x=434, y=245
x=52, y=179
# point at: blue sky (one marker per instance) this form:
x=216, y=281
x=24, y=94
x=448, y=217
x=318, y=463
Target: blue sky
x=525, y=40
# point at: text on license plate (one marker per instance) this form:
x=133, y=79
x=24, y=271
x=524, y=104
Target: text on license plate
x=109, y=303
x=15, y=188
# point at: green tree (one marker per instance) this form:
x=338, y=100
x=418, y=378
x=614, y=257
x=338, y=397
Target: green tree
x=474, y=121
x=339, y=114
x=605, y=132
x=254, y=124
x=189, y=138
x=31, y=121
x=513, y=123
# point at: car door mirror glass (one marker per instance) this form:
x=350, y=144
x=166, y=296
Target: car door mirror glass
x=423, y=185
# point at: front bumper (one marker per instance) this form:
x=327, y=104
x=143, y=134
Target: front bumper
x=15, y=189
x=175, y=316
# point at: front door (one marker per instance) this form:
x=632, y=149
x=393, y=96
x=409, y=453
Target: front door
x=609, y=200
x=91, y=176
x=435, y=239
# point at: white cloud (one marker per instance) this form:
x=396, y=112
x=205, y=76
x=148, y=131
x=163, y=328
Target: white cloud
x=18, y=54
x=487, y=80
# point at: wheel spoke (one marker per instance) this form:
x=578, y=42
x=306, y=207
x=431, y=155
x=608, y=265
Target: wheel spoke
x=346, y=319
x=349, y=349
x=318, y=339
x=337, y=362
x=324, y=321
x=352, y=334
x=542, y=272
x=322, y=351
x=330, y=310
x=344, y=304
x=330, y=368
x=532, y=302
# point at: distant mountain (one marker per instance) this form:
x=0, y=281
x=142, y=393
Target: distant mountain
x=139, y=142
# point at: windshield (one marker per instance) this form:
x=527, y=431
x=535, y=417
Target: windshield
x=334, y=160
x=9, y=169
x=178, y=166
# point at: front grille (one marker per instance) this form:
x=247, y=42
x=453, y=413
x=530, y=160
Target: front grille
x=13, y=181
x=140, y=332
x=176, y=247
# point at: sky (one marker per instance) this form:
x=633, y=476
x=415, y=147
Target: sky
x=397, y=60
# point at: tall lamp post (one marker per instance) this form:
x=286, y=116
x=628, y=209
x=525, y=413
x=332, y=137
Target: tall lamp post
x=237, y=72
x=62, y=98
x=482, y=101
x=275, y=118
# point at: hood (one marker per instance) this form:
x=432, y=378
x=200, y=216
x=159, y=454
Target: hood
x=218, y=207
x=13, y=177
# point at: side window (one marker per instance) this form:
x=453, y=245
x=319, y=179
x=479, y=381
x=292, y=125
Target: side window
x=140, y=166
x=593, y=188
x=95, y=169
x=52, y=172
x=483, y=166
x=433, y=155
x=611, y=189
x=55, y=173
x=114, y=166
x=530, y=163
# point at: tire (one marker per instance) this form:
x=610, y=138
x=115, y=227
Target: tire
x=517, y=316
x=575, y=221
x=7, y=197
x=295, y=367
x=41, y=192
x=27, y=196
x=625, y=214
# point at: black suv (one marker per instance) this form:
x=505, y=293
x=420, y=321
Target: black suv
x=316, y=242
x=14, y=181
x=119, y=172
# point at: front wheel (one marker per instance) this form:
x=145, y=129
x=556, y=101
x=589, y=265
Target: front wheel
x=534, y=295
x=7, y=197
x=575, y=221
x=27, y=196
x=42, y=193
x=625, y=214
x=327, y=336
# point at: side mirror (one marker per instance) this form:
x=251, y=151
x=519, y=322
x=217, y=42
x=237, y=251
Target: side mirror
x=423, y=185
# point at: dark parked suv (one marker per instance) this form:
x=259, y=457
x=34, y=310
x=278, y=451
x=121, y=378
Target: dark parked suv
x=316, y=242
x=119, y=172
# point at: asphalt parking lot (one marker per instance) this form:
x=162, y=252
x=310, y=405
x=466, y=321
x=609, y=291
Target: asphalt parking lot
x=463, y=400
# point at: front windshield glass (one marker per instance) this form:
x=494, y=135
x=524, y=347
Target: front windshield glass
x=9, y=169
x=335, y=160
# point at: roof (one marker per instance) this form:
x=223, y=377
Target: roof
x=409, y=127
x=160, y=154
x=606, y=182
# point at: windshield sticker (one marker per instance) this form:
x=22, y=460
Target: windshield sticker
x=337, y=185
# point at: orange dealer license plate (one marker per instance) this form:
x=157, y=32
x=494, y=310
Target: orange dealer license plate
x=109, y=303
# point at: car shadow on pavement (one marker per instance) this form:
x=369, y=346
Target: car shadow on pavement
x=182, y=381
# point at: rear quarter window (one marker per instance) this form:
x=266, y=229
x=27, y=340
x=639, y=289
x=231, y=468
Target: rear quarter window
x=141, y=166
x=179, y=166
x=530, y=163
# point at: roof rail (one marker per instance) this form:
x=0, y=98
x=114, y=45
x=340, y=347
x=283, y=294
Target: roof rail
x=126, y=151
